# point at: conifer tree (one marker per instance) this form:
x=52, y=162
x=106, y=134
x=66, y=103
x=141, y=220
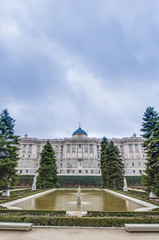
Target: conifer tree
x=151, y=179
x=150, y=118
x=104, y=145
x=151, y=145
x=47, y=177
x=112, y=166
x=8, y=150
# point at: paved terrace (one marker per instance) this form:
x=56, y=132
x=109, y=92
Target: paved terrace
x=76, y=234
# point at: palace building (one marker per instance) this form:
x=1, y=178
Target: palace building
x=80, y=154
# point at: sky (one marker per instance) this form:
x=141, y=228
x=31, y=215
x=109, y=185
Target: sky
x=65, y=61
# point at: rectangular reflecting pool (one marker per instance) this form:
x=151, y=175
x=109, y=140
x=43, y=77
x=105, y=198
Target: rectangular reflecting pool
x=91, y=200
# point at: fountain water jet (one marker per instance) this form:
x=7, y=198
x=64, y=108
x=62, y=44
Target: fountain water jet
x=79, y=196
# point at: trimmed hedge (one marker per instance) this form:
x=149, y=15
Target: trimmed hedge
x=32, y=212
x=121, y=214
x=82, y=180
x=89, y=213
x=133, y=180
x=93, y=219
x=25, y=180
x=76, y=221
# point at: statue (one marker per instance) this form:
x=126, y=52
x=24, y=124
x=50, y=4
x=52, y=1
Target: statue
x=34, y=183
x=6, y=192
x=152, y=195
x=125, y=188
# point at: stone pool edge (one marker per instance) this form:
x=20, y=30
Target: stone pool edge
x=146, y=206
x=10, y=205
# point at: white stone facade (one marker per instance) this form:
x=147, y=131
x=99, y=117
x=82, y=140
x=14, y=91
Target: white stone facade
x=80, y=154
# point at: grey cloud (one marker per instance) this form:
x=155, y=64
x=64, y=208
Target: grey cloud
x=89, y=61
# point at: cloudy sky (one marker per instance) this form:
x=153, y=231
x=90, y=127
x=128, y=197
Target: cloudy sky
x=67, y=61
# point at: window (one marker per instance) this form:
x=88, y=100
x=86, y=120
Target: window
x=140, y=171
x=73, y=171
x=86, y=171
x=30, y=145
x=23, y=155
x=98, y=155
x=99, y=171
x=133, y=171
x=24, y=145
x=21, y=171
x=79, y=145
x=130, y=145
x=80, y=171
x=61, y=164
x=26, y=171
x=133, y=164
x=91, y=171
x=98, y=164
x=68, y=171
x=139, y=163
x=61, y=156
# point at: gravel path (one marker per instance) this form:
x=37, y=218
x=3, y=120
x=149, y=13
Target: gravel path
x=75, y=234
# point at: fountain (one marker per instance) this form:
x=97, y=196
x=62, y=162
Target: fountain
x=79, y=196
x=67, y=200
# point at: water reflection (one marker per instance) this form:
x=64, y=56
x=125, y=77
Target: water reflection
x=92, y=200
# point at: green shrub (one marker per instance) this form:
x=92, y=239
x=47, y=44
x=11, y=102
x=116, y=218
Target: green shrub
x=80, y=180
x=80, y=221
x=25, y=180
x=133, y=180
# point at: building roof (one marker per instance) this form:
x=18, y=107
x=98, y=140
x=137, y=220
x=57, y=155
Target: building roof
x=79, y=131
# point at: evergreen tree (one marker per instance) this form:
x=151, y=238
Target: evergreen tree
x=150, y=119
x=112, y=166
x=151, y=179
x=151, y=145
x=47, y=177
x=8, y=150
x=104, y=145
